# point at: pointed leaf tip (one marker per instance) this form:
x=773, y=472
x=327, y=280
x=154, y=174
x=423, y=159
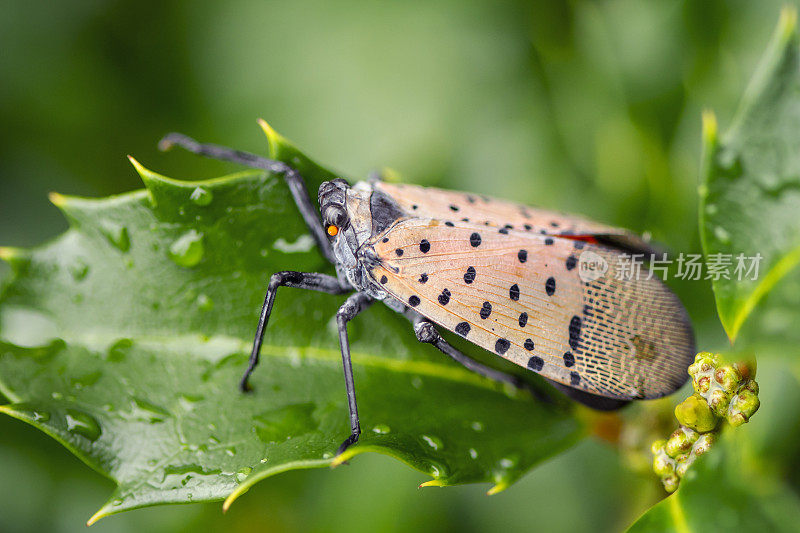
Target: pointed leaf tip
x=16, y=258
x=432, y=483
x=148, y=176
x=274, y=139
x=58, y=200
x=500, y=487
x=787, y=23
x=709, y=127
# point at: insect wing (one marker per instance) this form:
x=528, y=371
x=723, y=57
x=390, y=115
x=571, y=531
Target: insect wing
x=429, y=202
x=520, y=295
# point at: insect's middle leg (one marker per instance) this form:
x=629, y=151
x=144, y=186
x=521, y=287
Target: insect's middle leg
x=302, y=280
x=426, y=332
x=351, y=307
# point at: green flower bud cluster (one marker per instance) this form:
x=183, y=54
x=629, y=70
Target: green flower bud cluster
x=721, y=392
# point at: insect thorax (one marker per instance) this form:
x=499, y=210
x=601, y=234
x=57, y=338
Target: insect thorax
x=368, y=212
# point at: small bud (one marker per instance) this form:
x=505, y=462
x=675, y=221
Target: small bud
x=680, y=441
x=704, y=443
x=718, y=400
x=695, y=413
x=703, y=384
x=663, y=465
x=743, y=405
x=670, y=483
x=728, y=378
x=683, y=466
x=658, y=446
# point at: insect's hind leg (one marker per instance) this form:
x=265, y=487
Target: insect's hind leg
x=296, y=184
x=426, y=332
x=301, y=280
x=351, y=307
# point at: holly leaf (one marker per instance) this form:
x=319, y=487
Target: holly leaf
x=750, y=195
x=125, y=337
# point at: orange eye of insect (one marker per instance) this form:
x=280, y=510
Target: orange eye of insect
x=333, y=230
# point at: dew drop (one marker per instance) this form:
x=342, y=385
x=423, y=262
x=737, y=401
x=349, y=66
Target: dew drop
x=477, y=426
x=230, y=452
x=80, y=423
x=381, y=429
x=416, y=382
x=187, y=251
x=38, y=415
x=57, y=396
x=434, y=442
x=507, y=462
x=712, y=209
x=242, y=473
x=117, y=235
x=116, y=502
x=473, y=453
x=204, y=303
x=722, y=235
x=201, y=196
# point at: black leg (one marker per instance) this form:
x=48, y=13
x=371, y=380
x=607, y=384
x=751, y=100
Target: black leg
x=426, y=332
x=354, y=305
x=301, y=280
x=296, y=184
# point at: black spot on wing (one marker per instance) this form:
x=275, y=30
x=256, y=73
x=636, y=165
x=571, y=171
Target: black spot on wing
x=550, y=286
x=444, y=298
x=574, y=331
x=469, y=275
x=462, y=328
x=513, y=292
x=501, y=346
x=535, y=363
x=424, y=246
x=413, y=301
x=475, y=239
x=486, y=310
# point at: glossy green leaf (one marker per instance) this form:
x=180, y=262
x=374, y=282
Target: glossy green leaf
x=750, y=197
x=124, y=339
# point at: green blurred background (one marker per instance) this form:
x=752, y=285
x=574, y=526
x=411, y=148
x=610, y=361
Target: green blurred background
x=592, y=107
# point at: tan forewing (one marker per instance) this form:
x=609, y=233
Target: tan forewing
x=429, y=202
x=519, y=295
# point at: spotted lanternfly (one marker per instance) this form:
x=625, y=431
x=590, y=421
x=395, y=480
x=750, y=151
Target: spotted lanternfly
x=504, y=276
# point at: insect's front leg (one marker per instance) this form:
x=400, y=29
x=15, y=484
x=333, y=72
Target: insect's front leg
x=354, y=305
x=297, y=186
x=426, y=332
x=302, y=280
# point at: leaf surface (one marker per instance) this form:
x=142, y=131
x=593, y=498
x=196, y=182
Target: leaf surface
x=124, y=339
x=750, y=197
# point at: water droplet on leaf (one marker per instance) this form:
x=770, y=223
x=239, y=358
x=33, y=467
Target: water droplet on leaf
x=722, y=235
x=80, y=423
x=204, y=303
x=242, y=474
x=434, y=442
x=381, y=429
x=187, y=251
